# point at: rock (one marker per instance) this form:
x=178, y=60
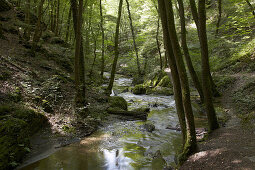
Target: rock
x=118, y=102
x=139, y=89
x=200, y=133
x=165, y=82
x=149, y=127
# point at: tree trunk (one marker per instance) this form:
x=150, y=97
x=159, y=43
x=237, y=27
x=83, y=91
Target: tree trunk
x=95, y=54
x=219, y=17
x=173, y=67
x=190, y=144
x=38, y=31
x=57, y=18
x=27, y=32
x=158, y=46
x=196, y=19
x=68, y=24
x=114, y=65
x=211, y=115
x=191, y=69
x=79, y=56
x=133, y=35
x=102, y=30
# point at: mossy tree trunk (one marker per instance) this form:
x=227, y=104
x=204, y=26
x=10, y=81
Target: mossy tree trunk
x=211, y=115
x=190, y=143
x=116, y=49
x=102, y=31
x=191, y=69
x=134, y=43
x=173, y=67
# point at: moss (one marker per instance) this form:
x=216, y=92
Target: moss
x=160, y=91
x=16, y=125
x=165, y=82
x=139, y=89
x=118, y=102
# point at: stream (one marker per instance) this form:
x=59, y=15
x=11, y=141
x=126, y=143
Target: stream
x=123, y=144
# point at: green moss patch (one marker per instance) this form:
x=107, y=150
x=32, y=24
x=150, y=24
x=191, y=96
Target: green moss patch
x=118, y=102
x=16, y=125
x=139, y=89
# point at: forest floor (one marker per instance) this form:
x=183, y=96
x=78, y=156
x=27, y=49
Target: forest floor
x=231, y=146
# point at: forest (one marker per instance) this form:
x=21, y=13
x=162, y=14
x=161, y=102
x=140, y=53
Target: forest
x=127, y=84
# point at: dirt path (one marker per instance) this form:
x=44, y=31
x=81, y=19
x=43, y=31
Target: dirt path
x=230, y=147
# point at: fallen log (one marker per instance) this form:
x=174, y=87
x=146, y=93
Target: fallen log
x=134, y=114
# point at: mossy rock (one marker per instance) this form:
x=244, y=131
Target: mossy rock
x=139, y=89
x=118, y=102
x=165, y=82
x=160, y=91
x=16, y=125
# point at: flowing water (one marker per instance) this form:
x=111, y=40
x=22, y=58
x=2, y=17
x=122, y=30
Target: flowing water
x=122, y=144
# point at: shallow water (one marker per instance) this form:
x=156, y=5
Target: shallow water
x=124, y=144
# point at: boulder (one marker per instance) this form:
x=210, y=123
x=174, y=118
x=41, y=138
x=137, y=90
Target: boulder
x=149, y=127
x=139, y=89
x=118, y=102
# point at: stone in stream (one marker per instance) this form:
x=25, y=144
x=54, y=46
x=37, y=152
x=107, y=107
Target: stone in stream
x=149, y=127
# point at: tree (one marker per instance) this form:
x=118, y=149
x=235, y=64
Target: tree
x=38, y=29
x=219, y=17
x=180, y=79
x=102, y=31
x=133, y=36
x=190, y=143
x=211, y=115
x=68, y=24
x=196, y=19
x=27, y=20
x=79, y=55
x=191, y=69
x=114, y=65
